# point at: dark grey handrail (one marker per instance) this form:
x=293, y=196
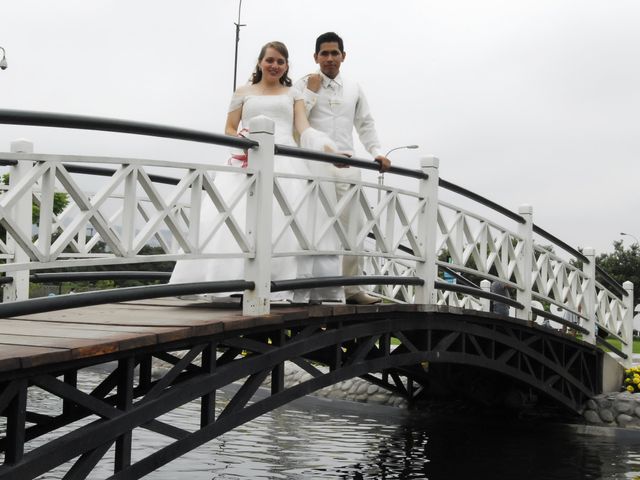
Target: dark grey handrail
x=59, y=120
x=56, y=277
x=555, y=240
x=556, y=318
x=296, y=152
x=478, y=293
x=101, y=297
x=480, y=199
x=317, y=282
x=611, y=281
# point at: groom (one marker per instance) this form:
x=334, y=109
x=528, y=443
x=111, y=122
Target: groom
x=335, y=105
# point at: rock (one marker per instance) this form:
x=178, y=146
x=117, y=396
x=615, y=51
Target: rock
x=371, y=389
x=637, y=411
x=592, y=416
x=362, y=388
x=603, y=402
x=346, y=385
x=592, y=405
x=378, y=398
x=606, y=415
x=623, y=419
x=622, y=405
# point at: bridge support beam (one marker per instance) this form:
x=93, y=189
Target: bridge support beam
x=259, y=216
x=627, y=325
x=590, y=296
x=427, y=270
x=525, y=261
x=19, y=288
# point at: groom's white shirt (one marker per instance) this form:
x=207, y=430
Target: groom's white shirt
x=336, y=108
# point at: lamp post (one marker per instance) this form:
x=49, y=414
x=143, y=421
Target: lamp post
x=381, y=176
x=3, y=62
x=235, y=60
x=632, y=236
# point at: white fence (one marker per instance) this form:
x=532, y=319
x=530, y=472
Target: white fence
x=405, y=233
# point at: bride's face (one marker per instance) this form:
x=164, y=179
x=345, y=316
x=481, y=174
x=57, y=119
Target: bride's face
x=273, y=65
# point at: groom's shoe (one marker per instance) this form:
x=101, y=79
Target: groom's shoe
x=363, y=298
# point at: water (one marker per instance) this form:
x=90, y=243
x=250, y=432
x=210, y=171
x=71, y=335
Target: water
x=319, y=439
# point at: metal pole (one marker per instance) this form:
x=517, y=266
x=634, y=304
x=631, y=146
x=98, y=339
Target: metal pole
x=3, y=60
x=632, y=236
x=381, y=176
x=235, y=60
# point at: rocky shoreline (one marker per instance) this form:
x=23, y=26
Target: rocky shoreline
x=354, y=389
x=614, y=409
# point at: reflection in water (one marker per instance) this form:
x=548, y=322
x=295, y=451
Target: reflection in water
x=319, y=439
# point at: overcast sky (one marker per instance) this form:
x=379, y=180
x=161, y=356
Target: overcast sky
x=523, y=101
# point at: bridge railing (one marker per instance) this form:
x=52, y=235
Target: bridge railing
x=414, y=235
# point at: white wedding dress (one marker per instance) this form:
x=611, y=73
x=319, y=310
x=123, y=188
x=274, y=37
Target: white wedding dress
x=280, y=109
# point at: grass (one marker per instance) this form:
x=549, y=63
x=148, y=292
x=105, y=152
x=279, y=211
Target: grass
x=616, y=343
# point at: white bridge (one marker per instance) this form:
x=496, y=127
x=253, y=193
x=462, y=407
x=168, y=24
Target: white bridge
x=410, y=237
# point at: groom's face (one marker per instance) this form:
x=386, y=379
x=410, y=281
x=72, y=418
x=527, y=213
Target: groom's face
x=329, y=58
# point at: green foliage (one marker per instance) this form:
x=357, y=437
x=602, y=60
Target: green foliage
x=60, y=202
x=623, y=264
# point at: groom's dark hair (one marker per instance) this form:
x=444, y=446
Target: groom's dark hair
x=329, y=37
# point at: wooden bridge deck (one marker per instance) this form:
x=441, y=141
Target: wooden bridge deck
x=55, y=337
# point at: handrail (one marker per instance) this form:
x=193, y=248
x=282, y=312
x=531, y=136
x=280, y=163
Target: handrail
x=478, y=293
x=319, y=282
x=611, y=281
x=552, y=238
x=101, y=297
x=480, y=199
x=297, y=152
x=55, y=277
x=59, y=120
x=556, y=318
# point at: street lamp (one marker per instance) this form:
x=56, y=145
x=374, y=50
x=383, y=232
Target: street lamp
x=632, y=236
x=381, y=176
x=3, y=62
x=235, y=60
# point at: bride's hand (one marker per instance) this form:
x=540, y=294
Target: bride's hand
x=340, y=165
x=314, y=81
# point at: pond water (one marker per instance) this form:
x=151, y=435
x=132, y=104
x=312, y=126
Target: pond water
x=316, y=438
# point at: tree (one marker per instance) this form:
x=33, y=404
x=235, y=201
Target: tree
x=623, y=265
x=60, y=201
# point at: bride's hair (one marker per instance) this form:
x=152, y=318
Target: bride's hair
x=282, y=50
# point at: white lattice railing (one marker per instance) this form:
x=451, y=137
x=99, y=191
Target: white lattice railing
x=413, y=235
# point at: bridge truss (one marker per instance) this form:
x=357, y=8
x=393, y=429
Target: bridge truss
x=392, y=347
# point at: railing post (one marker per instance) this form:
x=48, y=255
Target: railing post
x=259, y=216
x=21, y=215
x=525, y=261
x=627, y=325
x=427, y=228
x=590, y=297
x=485, y=285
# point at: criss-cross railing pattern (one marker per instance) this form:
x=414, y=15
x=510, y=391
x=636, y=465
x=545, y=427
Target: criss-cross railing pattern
x=402, y=233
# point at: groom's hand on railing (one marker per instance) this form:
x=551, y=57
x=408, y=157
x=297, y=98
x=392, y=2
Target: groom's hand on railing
x=385, y=163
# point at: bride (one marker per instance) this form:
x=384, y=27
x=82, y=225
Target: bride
x=270, y=94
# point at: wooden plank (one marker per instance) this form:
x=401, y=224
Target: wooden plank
x=11, y=356
x=94, y=331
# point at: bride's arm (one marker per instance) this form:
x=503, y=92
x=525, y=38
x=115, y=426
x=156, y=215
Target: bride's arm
x=300, y=121
x=233, y=121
